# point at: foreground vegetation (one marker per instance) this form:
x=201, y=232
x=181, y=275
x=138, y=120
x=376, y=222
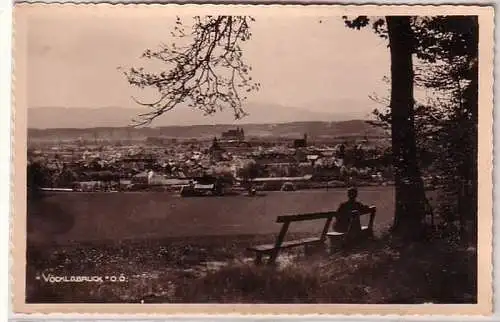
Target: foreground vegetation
x=217, y=269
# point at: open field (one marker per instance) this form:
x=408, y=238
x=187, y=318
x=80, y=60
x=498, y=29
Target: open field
x=193, y=250
x=217, y=270
x=77, y=217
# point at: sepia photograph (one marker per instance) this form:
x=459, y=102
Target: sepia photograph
x=219, y=154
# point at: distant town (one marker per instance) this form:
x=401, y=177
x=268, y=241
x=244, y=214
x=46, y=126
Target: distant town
x=230, y=163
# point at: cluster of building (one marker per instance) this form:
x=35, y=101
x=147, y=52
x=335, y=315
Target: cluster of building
x=219, y=164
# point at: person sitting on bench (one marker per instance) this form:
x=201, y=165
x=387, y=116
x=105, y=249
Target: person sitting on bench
x=345, y=210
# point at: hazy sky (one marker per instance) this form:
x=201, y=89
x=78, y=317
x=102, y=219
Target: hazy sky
x=300, y=62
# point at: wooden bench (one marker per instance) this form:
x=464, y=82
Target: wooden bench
x=342, y=238
x=273, y=249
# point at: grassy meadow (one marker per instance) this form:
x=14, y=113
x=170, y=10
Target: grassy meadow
x=193, y=250
x=63, y=218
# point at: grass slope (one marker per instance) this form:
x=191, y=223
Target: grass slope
x=217, y=270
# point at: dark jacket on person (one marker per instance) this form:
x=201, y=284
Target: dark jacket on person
x=344, y=216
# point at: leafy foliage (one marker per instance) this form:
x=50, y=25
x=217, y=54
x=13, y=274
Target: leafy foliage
x=446, y=126
x=250, y=171
x=445, y=37
x=37, y=175
x=378, y=24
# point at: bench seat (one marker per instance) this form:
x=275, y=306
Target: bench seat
x=334, y=234
x=338, y=239
x=311, y=244
x=288, y=244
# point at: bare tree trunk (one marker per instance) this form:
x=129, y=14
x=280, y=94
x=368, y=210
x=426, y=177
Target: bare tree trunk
x=410, y=194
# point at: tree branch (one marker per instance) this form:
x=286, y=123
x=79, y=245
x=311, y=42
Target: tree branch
x=206, y=74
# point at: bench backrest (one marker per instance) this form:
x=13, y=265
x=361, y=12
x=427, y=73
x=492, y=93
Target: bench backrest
x=286, y=220
x=304, y=217
x=328, y=215
x=372, y=210
x=325, y=215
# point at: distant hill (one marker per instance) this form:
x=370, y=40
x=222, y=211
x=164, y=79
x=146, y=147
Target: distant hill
x=352, y=128
x=84, y=117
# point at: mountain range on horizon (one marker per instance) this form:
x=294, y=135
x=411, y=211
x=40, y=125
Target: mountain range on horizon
x=292, y=130
x=258, y=113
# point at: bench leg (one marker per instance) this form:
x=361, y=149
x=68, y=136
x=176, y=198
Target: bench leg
x=335, y=247
x=335, y=244
x=258, y=258
x=314, y=249
x=273, y=257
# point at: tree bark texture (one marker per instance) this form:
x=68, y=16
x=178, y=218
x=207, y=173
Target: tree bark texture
x=410, y=194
